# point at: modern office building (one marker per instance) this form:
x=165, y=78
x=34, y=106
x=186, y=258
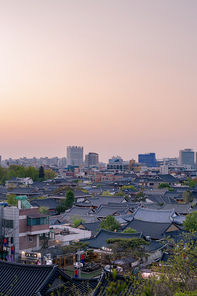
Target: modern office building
x=186, y=157
x=149, y=159
x=75, y=155
x=91, y=159
x=117, y=163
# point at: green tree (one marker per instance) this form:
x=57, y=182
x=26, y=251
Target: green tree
x=74, y=247
x=11, y=199
x=76, y=220
x=32, y=172
x=61, y=189
x=190, y=222
x=120, y=193
x=123, y=247
x=49, y=174
x=110, y=223
x=127, y=197
x=170, y=189
x=178, y=274
x=76, y=181
x=60, y=209
x=22, y=172
x=129, y=230
x=190, y=182
x=106, y=193
x=41, y=172
x=163, y=185
x=187, y=196
x=84, y=191
x=69, y=200
x=129, y=187
x=140, y=196
x=3, y=175
x=11, y=186
x=44, y=210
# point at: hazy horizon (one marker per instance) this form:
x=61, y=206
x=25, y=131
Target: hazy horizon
x=116, y=77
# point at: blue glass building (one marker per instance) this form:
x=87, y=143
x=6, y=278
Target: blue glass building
x=149, y=159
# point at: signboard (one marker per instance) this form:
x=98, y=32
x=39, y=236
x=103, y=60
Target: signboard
x=31, y=255
x=5, y=249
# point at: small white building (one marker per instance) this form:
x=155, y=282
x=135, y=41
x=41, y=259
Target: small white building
x=17, y=181
x=65, y=234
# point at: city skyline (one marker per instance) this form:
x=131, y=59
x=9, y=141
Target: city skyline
x=145, y=154
x=117, y=78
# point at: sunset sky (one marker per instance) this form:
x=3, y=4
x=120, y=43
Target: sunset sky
x=118, y=77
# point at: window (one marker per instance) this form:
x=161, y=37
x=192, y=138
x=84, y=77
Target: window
x=8, y=223
x=30, y=239
x=28, y=221
x=37, y=221
x=41, y=236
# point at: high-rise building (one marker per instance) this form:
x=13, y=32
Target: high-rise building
x=75, y=155
x=149, y=159
x=91, y=159
x=186, y=157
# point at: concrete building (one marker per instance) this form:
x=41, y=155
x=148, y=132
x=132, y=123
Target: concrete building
x=186, y=156
x=115, y=163
x=65, y=234
x=74, y=155
x=23, y=228
x=164, y=170
x=91, y=159
x=131, y=164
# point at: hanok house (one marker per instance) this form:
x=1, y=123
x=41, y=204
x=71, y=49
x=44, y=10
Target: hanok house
x=155, y=181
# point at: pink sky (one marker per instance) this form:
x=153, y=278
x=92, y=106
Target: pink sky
x=117, y=77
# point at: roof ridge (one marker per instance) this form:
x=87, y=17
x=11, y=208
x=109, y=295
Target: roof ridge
x=49, y=278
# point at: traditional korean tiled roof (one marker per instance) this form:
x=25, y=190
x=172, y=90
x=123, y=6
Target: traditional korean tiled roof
x=150, y=205
x=107, y=279
x=179, y=208
x=22, y=279
x=154, y=246
x=149, y=215
x=48, y=202
x=94, y=227
x=152, y=229
x=99, y=240
x=99, y=199
x=42, y=280
x=106, y=210
x=161, y=199
x=77, y=211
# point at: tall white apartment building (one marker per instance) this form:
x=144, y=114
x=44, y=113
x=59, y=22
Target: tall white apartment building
x=75, y=155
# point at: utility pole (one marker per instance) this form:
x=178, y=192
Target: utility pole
x=79, y=263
